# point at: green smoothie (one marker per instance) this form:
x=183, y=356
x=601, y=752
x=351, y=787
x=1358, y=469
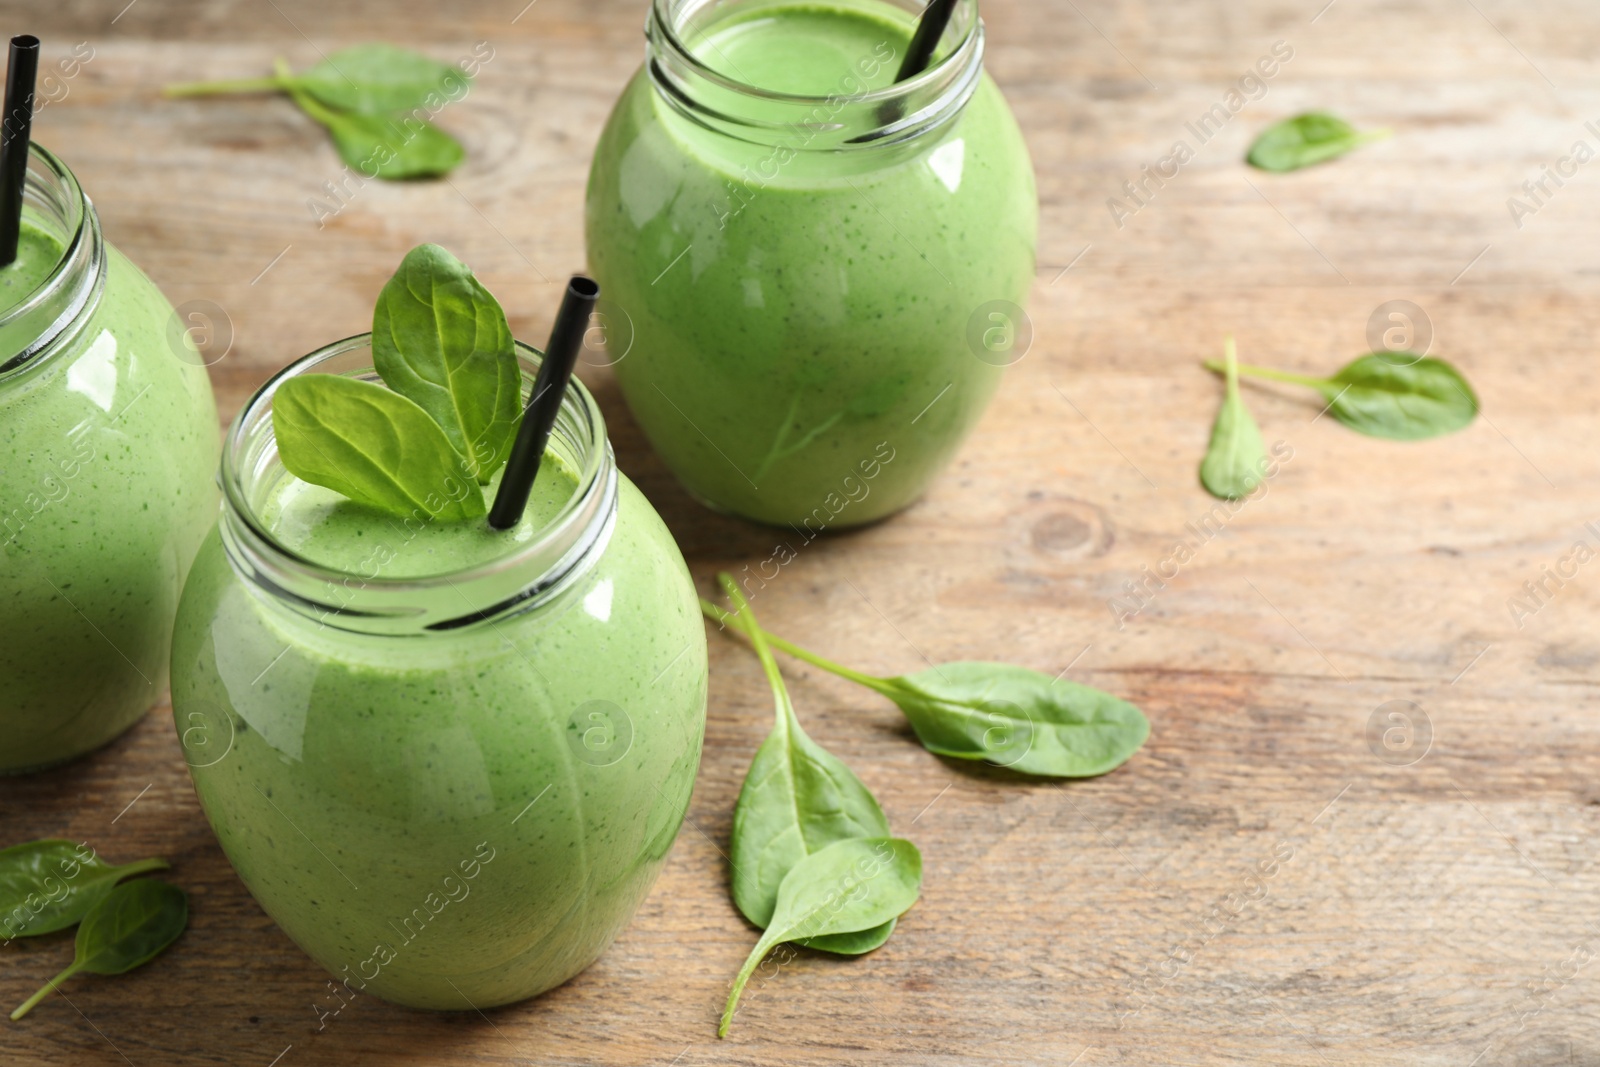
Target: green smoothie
x=804, y=49
x=326, y=527
x=803, y=318
x=38, y=253
x=456, y=817
x=108, y=443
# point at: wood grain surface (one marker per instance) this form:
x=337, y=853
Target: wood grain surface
x=1265, y=882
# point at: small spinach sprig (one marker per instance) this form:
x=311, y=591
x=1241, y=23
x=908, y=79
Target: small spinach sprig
x=50, y=885
x=368, y=98
x=446, y=420
x=1396, y=395
x=996, y=712
x=852, y=886
x=797, y=799
x=1303, y=140
x=126, y=928
x=1236, y=459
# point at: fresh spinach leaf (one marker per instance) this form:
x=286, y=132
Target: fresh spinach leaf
x=380, y=146
x=1003, y=714
x=440, y=339
x=50, y=885
x=797, y=798
x=850, y=886
x=129, y=927
x=1305, y=139
x=367, y=98
x=856, y=943
x=378, y=79
x=1381, y=395
x=1395, y=395
x=1019, y=718
x=393, y=149
x=374, y=446
x=1237, y=457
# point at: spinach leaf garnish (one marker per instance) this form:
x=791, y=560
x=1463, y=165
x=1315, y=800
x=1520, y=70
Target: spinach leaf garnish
x=374, y=446
x=441, y=339
x=442, y=423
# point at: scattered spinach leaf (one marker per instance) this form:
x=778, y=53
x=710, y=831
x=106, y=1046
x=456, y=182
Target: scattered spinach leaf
x=1403, y=401
x=797, y=798
x=850, y=886
x=381, y=146
x=1019, y=718
x=1395, y=395
x=50, y=885
x=129, y=927
x=394, y=149
x=1236, y=458
x=440, y=339
x=378, y=79
x=1305, y=139
x=855, y=943
x=1003, y=714
x=374, y=446
x=368, y=97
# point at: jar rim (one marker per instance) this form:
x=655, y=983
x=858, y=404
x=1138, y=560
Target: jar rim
x=660, y=12
x=72, y=288
x=487, y=589
x=890, y=114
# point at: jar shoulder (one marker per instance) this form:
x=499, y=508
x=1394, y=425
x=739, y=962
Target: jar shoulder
x=628, y=636
x=645, y=139
x=634, y=600
x=129, y=364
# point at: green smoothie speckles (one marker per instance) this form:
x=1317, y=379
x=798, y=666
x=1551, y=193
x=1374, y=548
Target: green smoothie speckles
x=456, y=817
x=108, y=452
x=37, y=255
x=802, y=317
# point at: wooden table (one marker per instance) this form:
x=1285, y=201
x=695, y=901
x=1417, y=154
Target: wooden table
x=1265, y=882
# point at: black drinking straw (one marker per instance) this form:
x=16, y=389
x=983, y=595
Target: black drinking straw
x=930, y=28
x=527, y=451
x=21, y=70
x=924, y=42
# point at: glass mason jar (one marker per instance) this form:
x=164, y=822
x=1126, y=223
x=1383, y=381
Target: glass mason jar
x=822, y=288
x=451, y=791
x=108, y=452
